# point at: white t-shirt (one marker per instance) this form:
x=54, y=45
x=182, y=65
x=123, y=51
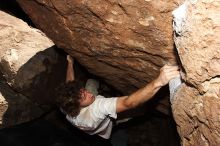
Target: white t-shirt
x=96, y=118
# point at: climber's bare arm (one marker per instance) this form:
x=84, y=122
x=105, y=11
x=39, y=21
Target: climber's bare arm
x=144, y=94
x=70, y=71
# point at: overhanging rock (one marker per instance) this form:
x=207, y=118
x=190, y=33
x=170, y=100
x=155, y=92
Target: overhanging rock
x=124, y=42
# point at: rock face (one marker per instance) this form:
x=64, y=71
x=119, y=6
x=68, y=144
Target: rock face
x=197, y=103
x=124, y=42
x=28, y=60
x=15, y=108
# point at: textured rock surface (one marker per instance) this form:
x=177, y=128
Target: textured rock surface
x=15, y=108
x=124, y=42
x=28, y=60
x=198, y=46
x=197, y=103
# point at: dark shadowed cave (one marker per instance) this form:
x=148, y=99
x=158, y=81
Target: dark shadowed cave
x=150, y=126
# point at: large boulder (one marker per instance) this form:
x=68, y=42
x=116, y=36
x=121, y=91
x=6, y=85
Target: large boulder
x=124, y=42
x=197, y=103
x=15, y=108
x=29, y=61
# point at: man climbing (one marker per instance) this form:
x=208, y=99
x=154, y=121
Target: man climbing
x=93, y=113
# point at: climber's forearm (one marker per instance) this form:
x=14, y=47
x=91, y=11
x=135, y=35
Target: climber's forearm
x=70, y=72
x=144, y=94
x=137, y=98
